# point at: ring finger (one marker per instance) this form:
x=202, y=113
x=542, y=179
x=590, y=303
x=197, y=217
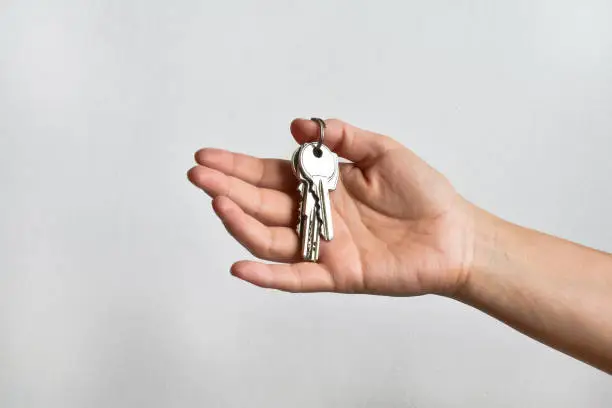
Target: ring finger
x=277, y=244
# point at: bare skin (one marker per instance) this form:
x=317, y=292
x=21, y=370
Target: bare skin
x=402, y=230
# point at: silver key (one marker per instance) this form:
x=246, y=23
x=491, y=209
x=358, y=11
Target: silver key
x=322, y=172
x=310, y=228
x=308, y=225
x=317, y=174
x=300, y=188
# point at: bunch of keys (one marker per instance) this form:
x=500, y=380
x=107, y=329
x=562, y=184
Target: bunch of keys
x=316, y=168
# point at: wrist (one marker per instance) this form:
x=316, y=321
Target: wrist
x=489, y=253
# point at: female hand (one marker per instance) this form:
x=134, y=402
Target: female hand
x=400, y=227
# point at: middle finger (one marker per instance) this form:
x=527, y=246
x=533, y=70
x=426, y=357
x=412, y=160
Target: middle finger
x=270, y=207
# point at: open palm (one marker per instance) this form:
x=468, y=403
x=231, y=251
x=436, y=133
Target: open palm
x=400, y=227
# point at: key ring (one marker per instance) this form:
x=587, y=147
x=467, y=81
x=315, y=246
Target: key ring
x=317, y=150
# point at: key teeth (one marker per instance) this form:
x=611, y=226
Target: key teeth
x=317, y=203
x=298, y=227
x=311, y=190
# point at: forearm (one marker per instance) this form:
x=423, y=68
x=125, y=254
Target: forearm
x=553, y=290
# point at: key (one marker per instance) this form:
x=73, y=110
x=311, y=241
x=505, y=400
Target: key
x=308, y=225
x=322, y=172
x=300, y=189
x=317, y=170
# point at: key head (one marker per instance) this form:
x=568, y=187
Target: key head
x=295, y=165
x=294, y=162
x=318, y=166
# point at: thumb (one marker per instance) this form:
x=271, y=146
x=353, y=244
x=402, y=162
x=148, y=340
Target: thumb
x=348, y=141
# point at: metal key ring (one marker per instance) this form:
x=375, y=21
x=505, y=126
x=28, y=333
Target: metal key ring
x=322, y=127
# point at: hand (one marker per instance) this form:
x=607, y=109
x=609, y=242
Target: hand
x=400, y=227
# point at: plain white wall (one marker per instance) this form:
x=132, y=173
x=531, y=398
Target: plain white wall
x=114, y=282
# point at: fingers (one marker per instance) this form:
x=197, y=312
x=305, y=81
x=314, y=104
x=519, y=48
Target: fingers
x=268, y=173
x=278, y=244
x=352, y=143
x=271, y=207
x=299, y=277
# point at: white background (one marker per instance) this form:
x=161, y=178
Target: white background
x=114, y=282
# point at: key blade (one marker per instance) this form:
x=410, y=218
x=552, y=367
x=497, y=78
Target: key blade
x=310, y=239
x=327, y=227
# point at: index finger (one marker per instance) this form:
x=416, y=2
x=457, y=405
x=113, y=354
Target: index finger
x=268, y=173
